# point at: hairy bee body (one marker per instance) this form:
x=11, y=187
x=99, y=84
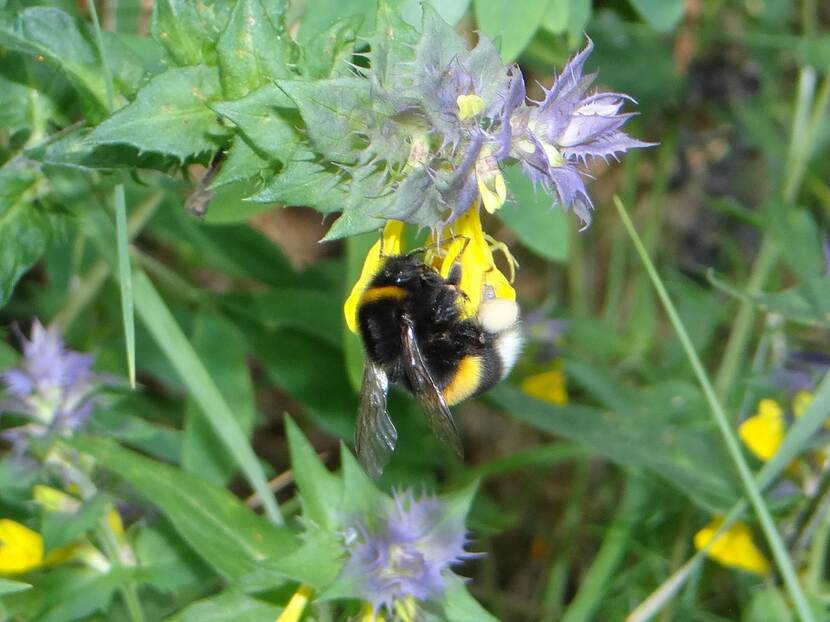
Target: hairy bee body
x=414, y=334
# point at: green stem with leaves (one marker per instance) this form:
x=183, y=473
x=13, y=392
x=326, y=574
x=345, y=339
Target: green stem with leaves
x=776, y=544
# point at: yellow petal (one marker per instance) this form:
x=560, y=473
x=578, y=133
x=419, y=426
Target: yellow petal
x=294, y=609
x=21, y=549
x=734, y=548
x=763, y=433
x=468, y=246
x=549, y=386
x=469, y=106
x=390, y=243
x=490, y=181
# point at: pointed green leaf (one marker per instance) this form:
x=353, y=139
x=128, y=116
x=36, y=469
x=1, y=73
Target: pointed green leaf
x=25, y=225
x=513, y=21
x=265, y=123
x=326, y=54
x=320, y=491
x=307, y=184
x=170, y=115
x=188, y=30
x=460, y=606
x=7, y=586
x=224, y=353
x=218, y=526
x=242, y=162
x=228, y=605
x=539, y=225
x=170, y=338
x=662, y=15
x=333, y=111
x=251, y=50
x=55, y=36
x=360, y=495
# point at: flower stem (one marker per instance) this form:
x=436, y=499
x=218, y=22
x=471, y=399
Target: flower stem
x=752, y=489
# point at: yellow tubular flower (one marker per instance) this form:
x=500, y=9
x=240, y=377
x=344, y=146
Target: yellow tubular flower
x=549, y=386
x=21, y=549
x=294, y=609
x=368, y=614
x=390, y=243
x=490, y=180
x=468, y=246
x=734, y=548
x=763, y=433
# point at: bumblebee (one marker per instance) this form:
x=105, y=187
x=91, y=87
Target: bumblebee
x=411, y=323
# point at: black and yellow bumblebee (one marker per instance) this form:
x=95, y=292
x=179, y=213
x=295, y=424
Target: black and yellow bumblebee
x=414, y=333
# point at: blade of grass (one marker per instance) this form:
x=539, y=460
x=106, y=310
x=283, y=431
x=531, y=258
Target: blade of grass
x=125, y=280
x=169, y=336
x=124, y=271
x=594, y=585
x=779, y=551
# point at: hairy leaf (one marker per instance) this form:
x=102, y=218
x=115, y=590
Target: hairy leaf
x=169, y=116
x=514, y=21
x=252, y=50
x=189, y=30
x=327, y=53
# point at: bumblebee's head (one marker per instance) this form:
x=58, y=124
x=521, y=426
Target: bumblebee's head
x=399, y=271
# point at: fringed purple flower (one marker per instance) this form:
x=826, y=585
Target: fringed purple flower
x=52, y=386
x=554, y=136
x=407, y=552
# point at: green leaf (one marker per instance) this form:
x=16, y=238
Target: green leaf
x=7, y=586
x=317, y=562
x=242, y=162
x=310, y=311
x=320, y=491
x=25, y=226
x=768, y=603
x=262, y=118
x=189, y=30
x=807, y=303
x=226, y=606
x=165, y=560
x=578, y=18
x=460, y=606
x=125, y=280
x=160, y=441
x=62, y=528
x=556, y=16
x=514, y=21
x=333, y=110
x=169, y=336
x=64, y=42
x=320, y=15
x=327, y=53
x=218, y=526
x=800, y=235
x=170, y=115
x=686, y=456
x=251, y=50
x=539, y=225
x=307, y=184
x=224, y=352
x=662, y=15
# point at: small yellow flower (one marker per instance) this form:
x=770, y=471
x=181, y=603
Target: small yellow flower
x=468, y=246
x=490, y=180
x=469, y=106
x=734, y=548
x=763, y=433
x=21, y=549
x=550, y=386
x=390, y=243
x=54, y=500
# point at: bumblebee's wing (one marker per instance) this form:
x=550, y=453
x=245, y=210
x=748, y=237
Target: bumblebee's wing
x=427, y=393
x=375, y=434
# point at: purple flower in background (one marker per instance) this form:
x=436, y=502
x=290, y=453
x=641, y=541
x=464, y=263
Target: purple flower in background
x=52, y=386
x=554, y=136
x=407, y=553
